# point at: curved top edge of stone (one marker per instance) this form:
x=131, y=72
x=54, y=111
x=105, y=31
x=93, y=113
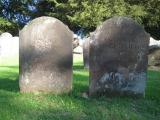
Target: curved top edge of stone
x=117, y=20
x=6, y=34
x=34, y=21
x=122, y=19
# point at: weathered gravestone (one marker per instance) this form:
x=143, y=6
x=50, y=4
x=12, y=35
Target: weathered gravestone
x=46, y=56
x=9, y=50
x=118, y=58
x=154, y=59
x=86, y=53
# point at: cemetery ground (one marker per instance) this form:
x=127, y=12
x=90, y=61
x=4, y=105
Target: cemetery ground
x=17, y=106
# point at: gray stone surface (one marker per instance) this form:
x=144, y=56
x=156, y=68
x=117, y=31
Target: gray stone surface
x=46, y=56
x=154, y=59
x=75, y=43
x=118, y=58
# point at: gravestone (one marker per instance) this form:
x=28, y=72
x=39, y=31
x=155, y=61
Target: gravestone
x=154, y=59
x=118, y=58
x=6, y=35
x=154, y=44
x=9, y=50
x=86, y=53
x=46, y=56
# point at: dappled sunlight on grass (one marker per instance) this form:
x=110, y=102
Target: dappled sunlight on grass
x=72, y=106
x=9, y=78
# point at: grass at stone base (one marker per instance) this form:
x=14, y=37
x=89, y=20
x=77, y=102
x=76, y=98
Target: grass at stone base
x=17, y=106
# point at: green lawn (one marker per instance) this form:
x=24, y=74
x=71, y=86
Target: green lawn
x=17, y=106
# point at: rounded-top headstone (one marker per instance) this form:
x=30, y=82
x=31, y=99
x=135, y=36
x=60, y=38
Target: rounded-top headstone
x=6, y=35
x=118, y=58
x=46, y=56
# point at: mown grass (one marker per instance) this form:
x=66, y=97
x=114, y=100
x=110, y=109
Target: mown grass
x=17, y=106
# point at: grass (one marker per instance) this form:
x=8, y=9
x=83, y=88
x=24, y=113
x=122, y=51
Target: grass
x=17, y=106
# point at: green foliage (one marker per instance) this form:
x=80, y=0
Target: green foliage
x=88, y=14
x=7, y=26
x=92, y=13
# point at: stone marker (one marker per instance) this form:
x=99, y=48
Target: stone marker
x=118, y=58
x=154, y=59
x=9, y=50
x=6, y=35
x=46, y=56
x=86, y=53
x=154, y=44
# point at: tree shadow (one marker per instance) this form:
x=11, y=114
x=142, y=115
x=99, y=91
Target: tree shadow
x=76, y=67
x=152, y=89
x=80, y=84
x=9, y=67
x=9, y=85
x=9, y=78
x=72, y=106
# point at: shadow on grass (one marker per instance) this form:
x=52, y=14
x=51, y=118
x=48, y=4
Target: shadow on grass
x=153, y=85
x=9, y=81
x=9, y=85
x=74, y=107
x=76, y=67
x=80, y=84
x=9, y=67
x=9, y=78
